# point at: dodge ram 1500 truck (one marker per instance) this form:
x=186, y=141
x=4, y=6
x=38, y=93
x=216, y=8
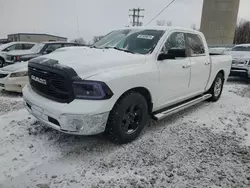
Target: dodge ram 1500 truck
x=130, y=75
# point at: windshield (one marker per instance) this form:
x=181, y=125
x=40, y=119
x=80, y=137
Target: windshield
x=37, y=48
x=242, y=48
x=4, y=46
x=131, y=40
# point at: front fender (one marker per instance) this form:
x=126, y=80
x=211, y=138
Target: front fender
x=120, y=81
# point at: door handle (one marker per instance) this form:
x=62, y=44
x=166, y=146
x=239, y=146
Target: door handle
x=185, y=66
x=207, y=63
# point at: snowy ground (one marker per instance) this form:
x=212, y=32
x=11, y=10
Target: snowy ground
x=207, y=145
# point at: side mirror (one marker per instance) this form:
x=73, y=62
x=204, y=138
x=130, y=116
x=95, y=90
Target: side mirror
x=172, y=54
x=163, y=56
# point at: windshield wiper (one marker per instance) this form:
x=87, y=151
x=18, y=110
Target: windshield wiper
x=120, y=49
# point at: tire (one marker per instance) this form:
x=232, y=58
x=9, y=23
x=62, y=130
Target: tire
x=1, y=62
x=216, y=88
x=127, y=118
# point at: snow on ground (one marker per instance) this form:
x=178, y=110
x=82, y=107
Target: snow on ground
x=207, y=145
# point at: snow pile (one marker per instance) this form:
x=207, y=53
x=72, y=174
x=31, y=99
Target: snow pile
x=10, y=103
x=207, y=145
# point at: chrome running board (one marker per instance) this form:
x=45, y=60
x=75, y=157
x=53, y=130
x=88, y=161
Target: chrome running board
x=162, y=115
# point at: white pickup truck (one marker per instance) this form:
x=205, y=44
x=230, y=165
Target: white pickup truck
x=130, y=75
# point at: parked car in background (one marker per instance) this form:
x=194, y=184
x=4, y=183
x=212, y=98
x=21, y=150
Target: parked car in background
x=128, y=76
x=241, y=60
x=5, y=48
x=14, y=77
x=219, y=50
x=37, y=50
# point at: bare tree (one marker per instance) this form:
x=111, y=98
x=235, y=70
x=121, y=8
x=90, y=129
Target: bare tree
x=163, y=23
x=79, y=41
x=242, y=32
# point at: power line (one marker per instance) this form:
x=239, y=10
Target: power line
x=161, y=11
x=136, y=16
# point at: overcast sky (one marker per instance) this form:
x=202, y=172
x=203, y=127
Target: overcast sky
x=96, y=17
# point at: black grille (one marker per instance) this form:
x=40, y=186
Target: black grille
x=243, y=69
x=51, y=83
x=3, y=75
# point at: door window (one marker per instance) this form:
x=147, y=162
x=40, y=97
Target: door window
x=196, y=47
x=51, y=48
x=18, y=47
x=174, y=41
x=175, y=45
x=27, y=46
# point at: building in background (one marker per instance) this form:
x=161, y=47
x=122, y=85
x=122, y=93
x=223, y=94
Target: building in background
x=34, y=37
x=3, y=41
x=219, y=19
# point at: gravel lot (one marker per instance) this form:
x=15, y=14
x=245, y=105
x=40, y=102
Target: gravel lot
x=207, y=145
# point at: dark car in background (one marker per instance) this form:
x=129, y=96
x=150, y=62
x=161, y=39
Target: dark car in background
x=37, y=50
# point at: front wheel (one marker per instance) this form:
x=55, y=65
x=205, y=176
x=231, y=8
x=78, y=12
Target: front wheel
x=127, y=118
x=217, y=88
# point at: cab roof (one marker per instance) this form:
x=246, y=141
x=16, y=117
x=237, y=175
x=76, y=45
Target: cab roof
x=163, y=28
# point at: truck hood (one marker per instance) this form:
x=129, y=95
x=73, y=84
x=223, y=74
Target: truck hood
x=238, y=55
x=89, y=61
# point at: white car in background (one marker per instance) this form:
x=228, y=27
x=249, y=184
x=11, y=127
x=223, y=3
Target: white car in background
x=241, y=60
x=14, y=77
x=4, y=48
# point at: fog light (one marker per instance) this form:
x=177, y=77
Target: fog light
x=76, y=124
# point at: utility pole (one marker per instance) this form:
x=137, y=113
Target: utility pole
x=136, y=16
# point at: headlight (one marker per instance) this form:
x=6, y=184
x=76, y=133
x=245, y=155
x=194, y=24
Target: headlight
x=19, y=74
x=92, y=90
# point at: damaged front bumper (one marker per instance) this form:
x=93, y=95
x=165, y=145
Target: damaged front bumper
x=78, y=117
x=70, y=123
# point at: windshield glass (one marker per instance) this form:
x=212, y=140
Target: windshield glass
x=242, y=48
x=132, y=40
x=37, y=48
x=4, y=46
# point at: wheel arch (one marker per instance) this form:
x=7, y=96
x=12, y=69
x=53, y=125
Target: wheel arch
x=222, y=72
x=2, y=58
x=144, y=92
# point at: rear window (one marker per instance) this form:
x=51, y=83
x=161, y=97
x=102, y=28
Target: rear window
x=195, y=44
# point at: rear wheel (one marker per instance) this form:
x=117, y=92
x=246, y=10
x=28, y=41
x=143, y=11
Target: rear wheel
x=128, y=118
x=217, y=88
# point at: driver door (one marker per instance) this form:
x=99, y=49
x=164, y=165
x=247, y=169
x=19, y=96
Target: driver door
x=174, y=72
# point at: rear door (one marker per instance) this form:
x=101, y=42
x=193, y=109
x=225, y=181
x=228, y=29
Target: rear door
x=174, y=73
x=200, y=63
